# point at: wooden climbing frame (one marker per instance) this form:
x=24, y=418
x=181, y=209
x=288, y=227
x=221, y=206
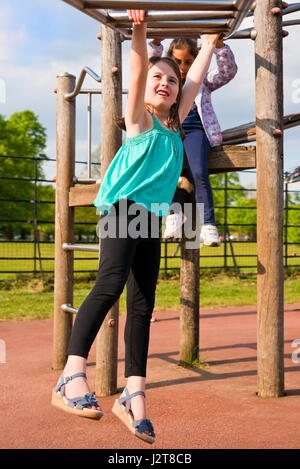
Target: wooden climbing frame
x=170, y=19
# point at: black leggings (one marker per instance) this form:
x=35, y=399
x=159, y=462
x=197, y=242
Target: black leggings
x=135, y=261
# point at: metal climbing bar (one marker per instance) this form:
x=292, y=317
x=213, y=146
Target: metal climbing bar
x=291, y=8
x=80, y=247
x=162, y=4
x=169, y=18
x=175, y=15
x=85, y=71
x=67, y=308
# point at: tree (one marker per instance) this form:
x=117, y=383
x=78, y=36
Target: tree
x=246, y=216
x=235, y=191
x=293, y=232
x=20, y=135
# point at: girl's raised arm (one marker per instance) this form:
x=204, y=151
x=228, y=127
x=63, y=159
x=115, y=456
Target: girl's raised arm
x=197, y=73
x=136, y=115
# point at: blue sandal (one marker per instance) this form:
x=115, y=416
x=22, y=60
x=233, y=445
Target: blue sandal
x=76, y=405
x=124, y=413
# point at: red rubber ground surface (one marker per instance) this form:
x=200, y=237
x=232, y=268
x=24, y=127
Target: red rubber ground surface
x=215, y=407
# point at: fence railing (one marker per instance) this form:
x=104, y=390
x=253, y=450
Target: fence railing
x=27, y=201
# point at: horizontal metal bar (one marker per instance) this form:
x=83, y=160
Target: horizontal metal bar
x=179, y=24
x=38, y=158
x=249, y=33
x=77, y=180
x=291, y=8
x=84, y=71
x=29, y=201
x=24, y=179
x=28, y=258
x=80, y=247
x=169, y=33
x=167, y=29
x=174, y=15
x=290, y=22
x=160, y=5
x=69, y=309
x=95, y=91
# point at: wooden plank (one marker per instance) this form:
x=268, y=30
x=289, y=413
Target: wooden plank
x=244, y=131
x=232, y=158
x=83, y=195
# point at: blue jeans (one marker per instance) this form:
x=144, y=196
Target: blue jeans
x=196, y=150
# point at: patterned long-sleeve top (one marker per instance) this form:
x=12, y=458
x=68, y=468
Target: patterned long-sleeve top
x=223, y=74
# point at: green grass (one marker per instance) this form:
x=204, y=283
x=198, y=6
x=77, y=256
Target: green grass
x=87, y=261
x=22, y=297
x=25, y=298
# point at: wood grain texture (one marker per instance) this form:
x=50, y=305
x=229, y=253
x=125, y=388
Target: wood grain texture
x=111, y=141
x=64, y=219
x=269, y=160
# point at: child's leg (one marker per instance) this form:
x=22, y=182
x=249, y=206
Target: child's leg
x=197, y=148
x=115, y=259
x=141, y=288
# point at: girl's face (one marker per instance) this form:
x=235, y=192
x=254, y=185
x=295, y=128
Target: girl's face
x=162, y=86
x=184, y=60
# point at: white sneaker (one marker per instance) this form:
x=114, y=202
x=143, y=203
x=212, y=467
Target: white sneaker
x=173, y=228
x=210, y=236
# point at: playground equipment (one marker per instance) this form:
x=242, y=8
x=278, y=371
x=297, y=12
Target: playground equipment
x=186, y=18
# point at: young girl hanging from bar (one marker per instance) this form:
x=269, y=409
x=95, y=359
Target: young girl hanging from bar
x=201, y=128
x=143, y=177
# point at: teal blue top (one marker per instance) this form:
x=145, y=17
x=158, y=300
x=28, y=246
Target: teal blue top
x=145, y=170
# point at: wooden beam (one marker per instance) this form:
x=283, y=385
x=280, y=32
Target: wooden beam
x=111, y=141
x=269, y=144
x=230, y=158
x=64, y=218
x=83, y=195
x=247, y=132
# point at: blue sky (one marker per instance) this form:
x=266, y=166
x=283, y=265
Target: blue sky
x=41, y=38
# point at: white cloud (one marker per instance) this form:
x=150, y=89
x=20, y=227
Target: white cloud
x=10, y=38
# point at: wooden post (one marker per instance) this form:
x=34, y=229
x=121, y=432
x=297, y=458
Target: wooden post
x=269, y=160
x=64, y=218
x=111, y=140
x=189, y=296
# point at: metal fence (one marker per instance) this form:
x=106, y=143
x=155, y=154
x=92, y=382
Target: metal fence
x=27, y=242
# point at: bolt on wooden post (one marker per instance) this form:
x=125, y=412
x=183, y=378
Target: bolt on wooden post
x=64, y=218
x=111, y=140
x=269, y=157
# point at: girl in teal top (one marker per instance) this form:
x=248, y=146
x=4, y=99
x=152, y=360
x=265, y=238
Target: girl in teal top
x=144, y=172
